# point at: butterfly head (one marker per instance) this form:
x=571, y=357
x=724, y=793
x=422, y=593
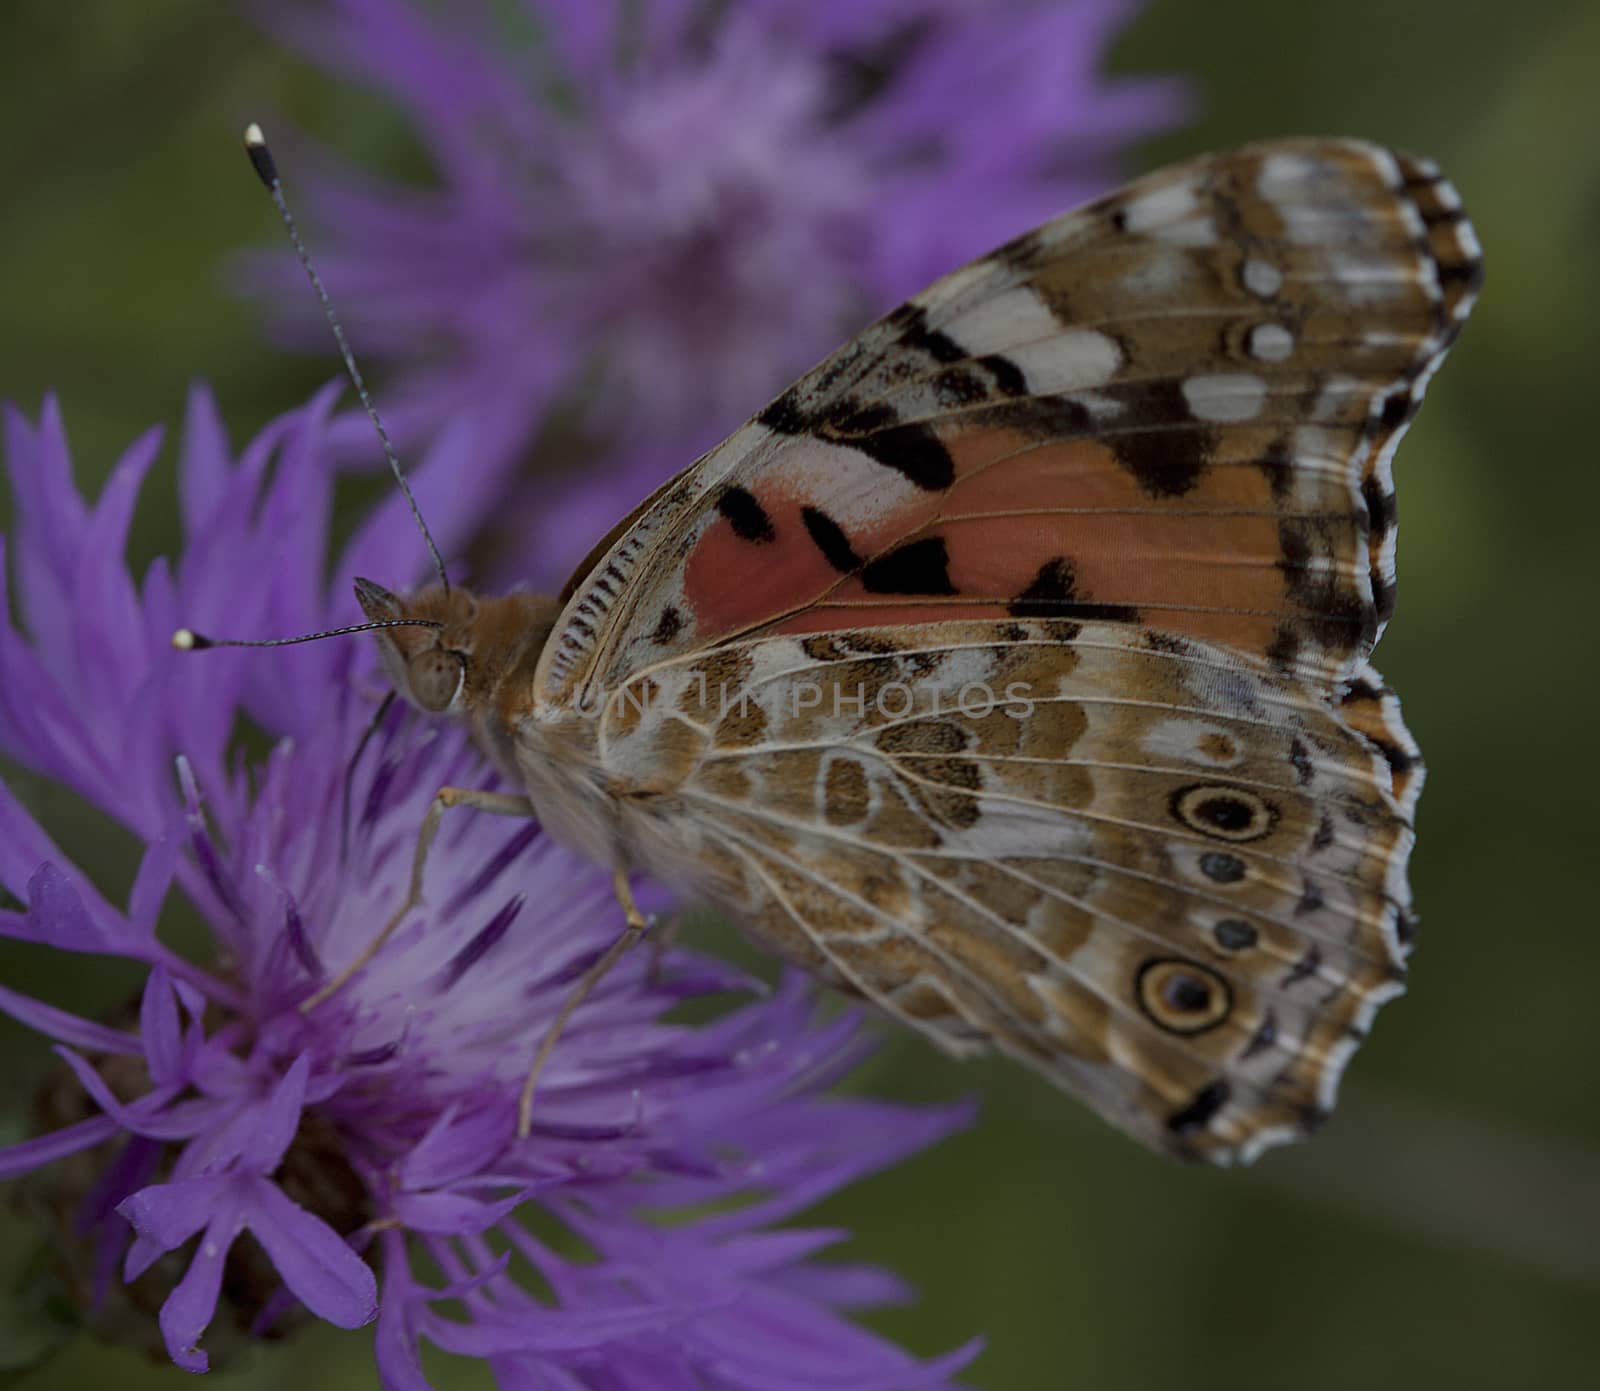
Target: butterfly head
x=478, y=658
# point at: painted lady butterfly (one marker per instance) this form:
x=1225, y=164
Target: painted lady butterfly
x=1010, y=670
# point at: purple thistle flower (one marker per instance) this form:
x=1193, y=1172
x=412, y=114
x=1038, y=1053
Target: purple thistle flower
x=367, y=1146
x=669, y=210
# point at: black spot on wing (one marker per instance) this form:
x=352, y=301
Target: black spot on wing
x=914, y=451
x=918, y=567
x=1222, y=869
x=1052, y=593
x=1008, y=377
x=874, y=428
x=1264, y=1037
x=1381, y=513
x=1306, y=967
x=1201, y=1110
x=1336, y=616
x=1234, y=934
x=1399, y=408
x=1383, y=599
x=850, y=418
x=1157, y=438
x=960, y=387
x=748, y=517
x=1460, y=275
x=1284, y=648
x=829, y=538
x=1401, y=761
x=785, y=415
x=910, y=321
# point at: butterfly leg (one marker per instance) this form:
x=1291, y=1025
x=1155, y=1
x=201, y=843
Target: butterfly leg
x=637, y=926
x=500, y=803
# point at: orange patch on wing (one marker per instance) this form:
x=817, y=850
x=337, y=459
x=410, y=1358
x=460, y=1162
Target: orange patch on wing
x=732, y=585
x=1206, y=563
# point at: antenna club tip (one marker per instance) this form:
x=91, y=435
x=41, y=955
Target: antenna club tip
x=261, y=160
x=187, y=640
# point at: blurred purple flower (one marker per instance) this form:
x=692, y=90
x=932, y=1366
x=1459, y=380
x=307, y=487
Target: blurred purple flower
x=667, y=210
x=369, y=1144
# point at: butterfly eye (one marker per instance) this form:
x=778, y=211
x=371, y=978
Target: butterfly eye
x=435, y=676
x=1183, y=997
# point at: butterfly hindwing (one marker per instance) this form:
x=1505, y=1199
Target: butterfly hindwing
x=1165, y=875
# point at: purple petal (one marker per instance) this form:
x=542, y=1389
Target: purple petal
x=395, y=1342
x=109, y=632
x=145, y=1116
x=203, y=459
x=847, y=1285
x=314, y=1261
x=537, y=1330
x=150, y=885
x=276, y=1121
x=188, y=1309
x=57, y=915
x=160, y=1030
x=168, y=1214
x=67, y=1028
x=50, y=521
x=456, y=1146
x=27, y=1155
x=451, y=1214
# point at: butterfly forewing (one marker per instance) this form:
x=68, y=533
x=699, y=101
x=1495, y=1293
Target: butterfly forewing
x=1138, y=462
x=1174, y=407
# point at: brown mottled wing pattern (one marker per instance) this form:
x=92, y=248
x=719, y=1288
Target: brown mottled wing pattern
x=1141, y=455
x=1168, y=876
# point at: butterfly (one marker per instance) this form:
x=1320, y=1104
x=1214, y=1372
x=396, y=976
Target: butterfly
x=1011, y=670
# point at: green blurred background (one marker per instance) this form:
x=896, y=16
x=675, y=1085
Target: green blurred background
x=1445, y=1229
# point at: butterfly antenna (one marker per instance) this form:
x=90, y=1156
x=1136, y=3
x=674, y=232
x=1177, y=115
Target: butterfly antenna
x=187, y=640
x=261, y=160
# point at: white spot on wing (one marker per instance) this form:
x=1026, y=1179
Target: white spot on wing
x=1271, y=342
x=1384, y=163
x=997, y=324
x=1171, y=213
x=1073, y=361
x=860, y=491
x=1262, y=278
x=1150, y=211
x=1225, y=398
x=1290, y=177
